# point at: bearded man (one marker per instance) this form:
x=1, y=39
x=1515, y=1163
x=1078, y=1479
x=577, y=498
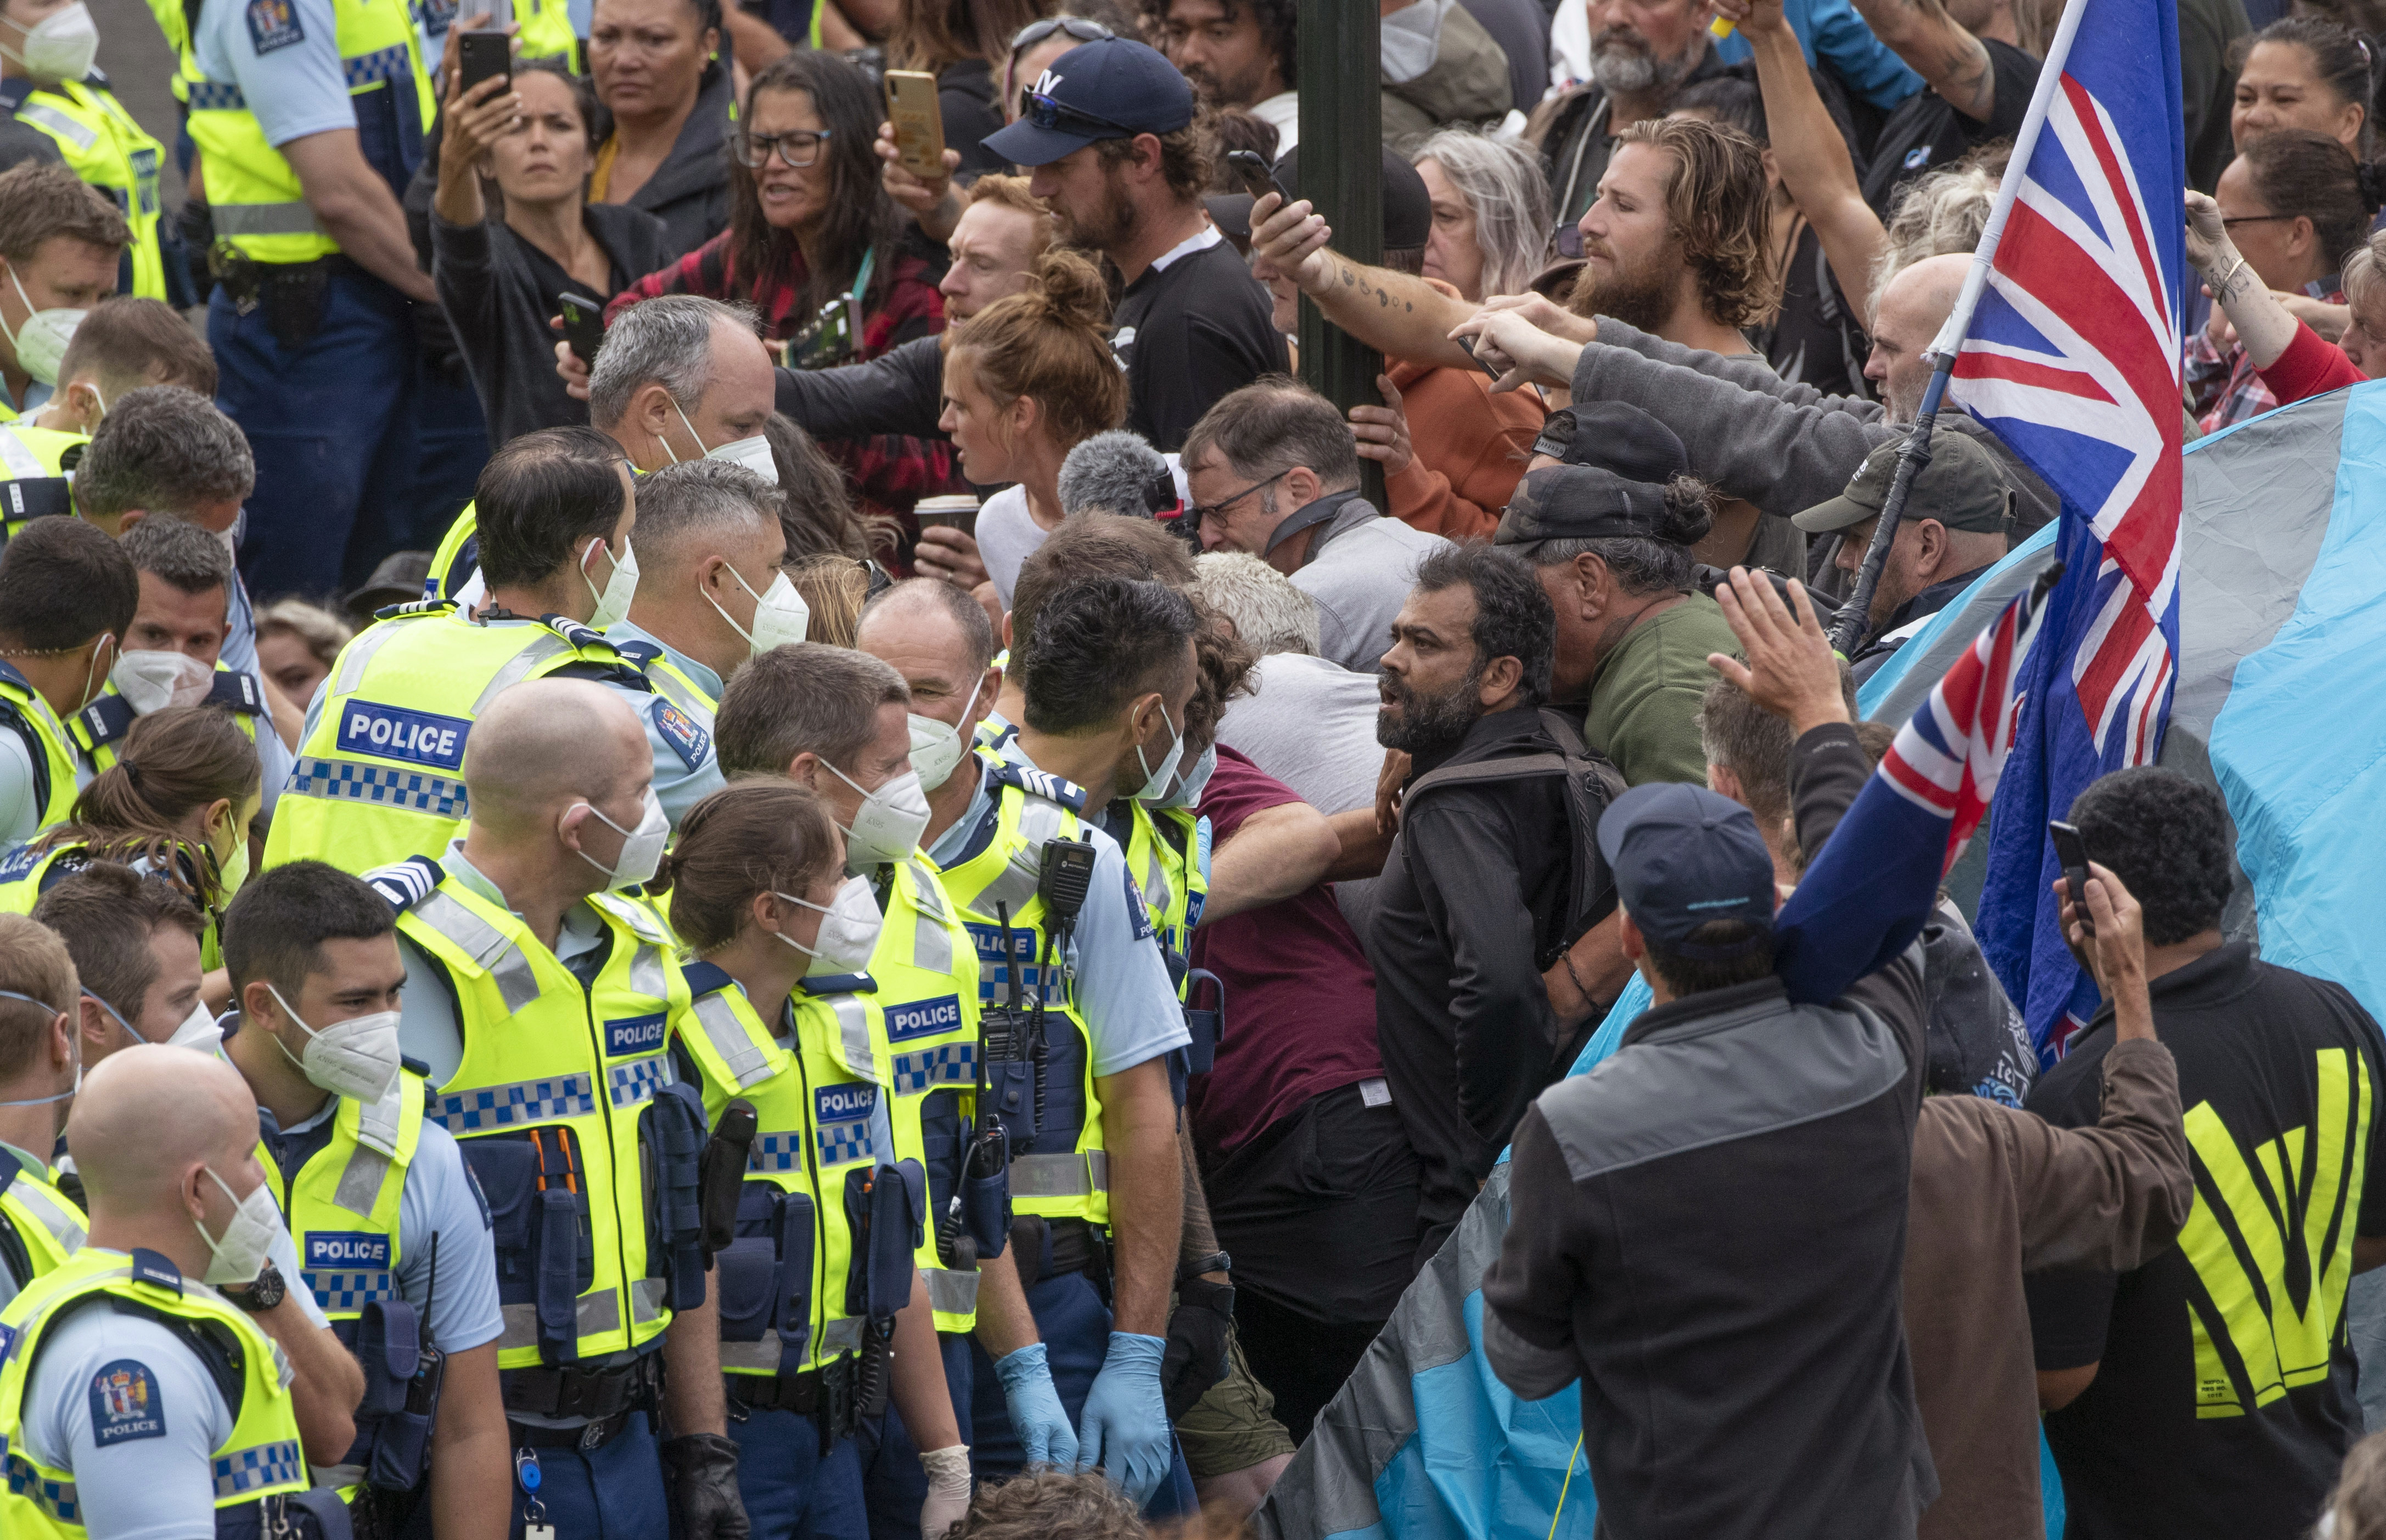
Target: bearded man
x=1642, y=55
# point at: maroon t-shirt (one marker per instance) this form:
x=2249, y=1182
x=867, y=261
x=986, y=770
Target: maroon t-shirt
x=1301, y=1000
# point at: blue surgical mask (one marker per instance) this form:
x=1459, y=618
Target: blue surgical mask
x=1195, y=780
x=1155, y=785
x=45, y=1101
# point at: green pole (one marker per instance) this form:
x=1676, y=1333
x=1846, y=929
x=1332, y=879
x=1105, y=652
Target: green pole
x=1341, y=172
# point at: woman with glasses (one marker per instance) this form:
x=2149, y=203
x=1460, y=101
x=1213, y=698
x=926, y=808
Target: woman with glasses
x=657, y=70
x=2294, y=204
x=512, y=232
x=1026, y=380
x=814, y=238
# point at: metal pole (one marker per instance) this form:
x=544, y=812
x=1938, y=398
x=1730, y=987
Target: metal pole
x=1848, y=630
x=1342, y=174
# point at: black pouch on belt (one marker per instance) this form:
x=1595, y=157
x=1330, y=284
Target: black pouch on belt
x=293, y=297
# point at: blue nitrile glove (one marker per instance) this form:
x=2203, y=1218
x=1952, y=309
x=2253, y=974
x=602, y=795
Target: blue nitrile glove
x=1125, y=1428
x=1036, y=1415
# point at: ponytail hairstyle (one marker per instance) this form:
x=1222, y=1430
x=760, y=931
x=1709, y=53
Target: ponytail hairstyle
x=1050, y=341
x=2307, y=173
x=171, y=764
x=759, y=836
x=2345, y=62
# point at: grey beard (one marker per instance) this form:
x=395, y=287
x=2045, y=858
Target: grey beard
x=1635, y=72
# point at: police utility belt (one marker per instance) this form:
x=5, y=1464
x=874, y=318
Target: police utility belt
x=605, y=1397
x=291, y=293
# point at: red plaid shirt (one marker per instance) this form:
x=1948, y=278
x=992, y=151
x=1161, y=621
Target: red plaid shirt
x=888, y=471
x=2223, y=388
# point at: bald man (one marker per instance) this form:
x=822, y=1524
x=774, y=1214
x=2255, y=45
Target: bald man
x=1913, y=306
x=542, y=1001
x=711, y=593
x=130, y=1403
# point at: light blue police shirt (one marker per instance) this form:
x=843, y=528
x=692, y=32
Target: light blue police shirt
x=284, y=55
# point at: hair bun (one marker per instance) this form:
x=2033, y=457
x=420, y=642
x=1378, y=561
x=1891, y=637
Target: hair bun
x=1690, y=511
x=1072, y=290
x=2372, y=178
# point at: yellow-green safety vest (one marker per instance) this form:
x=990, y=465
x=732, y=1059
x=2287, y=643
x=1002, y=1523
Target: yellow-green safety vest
x=814, y=1093
x=1064, y=1173
x=551, y=1094
x=99, y=727
x=262, y=1459
x=47, y=743
x=923, y=1028
x=101, y=143
x=458, y=556
x=48, y=1226
x=381, y=777
x=254, y=196
x=36, y=472
x=1166, y=852
x=546, y=32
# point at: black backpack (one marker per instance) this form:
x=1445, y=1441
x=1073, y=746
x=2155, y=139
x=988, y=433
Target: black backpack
x=1590, y=782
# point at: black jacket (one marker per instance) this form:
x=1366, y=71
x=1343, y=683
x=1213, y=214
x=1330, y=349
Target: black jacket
x=895, y=392
x=1708, y=1230
x=689, y=192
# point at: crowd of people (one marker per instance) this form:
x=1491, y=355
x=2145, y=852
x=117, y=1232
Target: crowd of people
x=709, y=827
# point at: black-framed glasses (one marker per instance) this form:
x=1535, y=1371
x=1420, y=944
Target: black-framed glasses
x=2254, y=219
x=1075, y=26
x=1200, y=513
x=799, y=149
x=1047, y=111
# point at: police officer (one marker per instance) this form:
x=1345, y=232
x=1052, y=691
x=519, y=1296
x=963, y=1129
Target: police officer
x=173, y=651
x=759, y=892
x=67, y=593
x=48, y=48
x=838, y=722
x=134, y=1393
x=1120, y=657
x=40, y=1227
x=393, y=1237
x=378, y=773
x=308, y=115
x=681, y=377
x=710, y=595
x=58, y=258
x=542, y=1003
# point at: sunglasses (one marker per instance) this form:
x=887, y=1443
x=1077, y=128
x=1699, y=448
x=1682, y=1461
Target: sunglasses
x=1075, y=26
x=799, y=149
x=1047, y=112
x=1569, y=240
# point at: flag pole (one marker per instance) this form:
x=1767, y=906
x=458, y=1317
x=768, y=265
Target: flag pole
x=1853, y=621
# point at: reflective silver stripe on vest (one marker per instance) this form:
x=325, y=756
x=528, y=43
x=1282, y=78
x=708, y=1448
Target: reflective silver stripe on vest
x=263, y=219
x=340, y=781
x=727, y=1035
x=1060, y=1175
x=360, y=651
x=63, y=1227
x=17, y=458
x=1038, y=820
x=57, y=122
x=932, y=944
x=521, y=1323
x=758, y=1356
x=680, y=693
x=592, y=1313
x=853, y=1030
x=252, y=1470
x=384, y=64
x=485, y=944
x=1156, y=890
x=647, y=1301
x=647, y=974
x=842, y=1336
x=525, y=1101
x=360, y=1183
x=518, y=667
x=949, y=1292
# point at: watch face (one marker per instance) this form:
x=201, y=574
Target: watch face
x=269, y=1288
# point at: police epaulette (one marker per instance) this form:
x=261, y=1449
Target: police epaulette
x=406, y=884
x=107, y=718
x=838, y=983
x=705, y=978
x=574, y=631
x=237, y=692
x=1037, y=782
x=413, y=608
x=419, y=1068
x=641, y=653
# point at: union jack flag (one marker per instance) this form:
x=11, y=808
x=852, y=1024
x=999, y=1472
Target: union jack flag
x=2072, y=356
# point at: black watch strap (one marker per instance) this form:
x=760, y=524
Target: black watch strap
x=1194, y=1267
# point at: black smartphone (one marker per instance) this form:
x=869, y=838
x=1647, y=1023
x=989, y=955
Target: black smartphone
x=1258, y=177
x=2072, y=851
x=486, y=55
x=1468, y=344
x=583, y=325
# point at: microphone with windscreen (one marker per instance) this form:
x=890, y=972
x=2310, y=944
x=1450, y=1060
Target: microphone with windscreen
x=1118, y=472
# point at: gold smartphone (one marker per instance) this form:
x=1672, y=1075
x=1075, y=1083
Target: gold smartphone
x=919, y=120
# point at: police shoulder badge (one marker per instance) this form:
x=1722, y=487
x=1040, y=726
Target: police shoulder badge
x=125, y=1403
x=273, y=24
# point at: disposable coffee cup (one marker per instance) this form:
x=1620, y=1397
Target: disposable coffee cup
x=958, y=512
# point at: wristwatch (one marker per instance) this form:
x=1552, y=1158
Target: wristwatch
x=263, y=1292
x=1194, y=1267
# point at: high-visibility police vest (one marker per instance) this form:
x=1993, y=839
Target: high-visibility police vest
x=923, y=1027
x=1064, y=1173
x=40, y=1224
x=380, y=778
x=263, y=1456
x=546, y=32
x=1166, y=851
x=787, y=1282
x=253, y=195
x=101, y=143
x=32, y=868
x=457, y=558
x=99, y=727
x=47, y=744
x=549, y=1105
x=36, y=472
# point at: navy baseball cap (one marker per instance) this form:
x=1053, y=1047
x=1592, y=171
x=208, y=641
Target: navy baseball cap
x=1113, y=88
x=1683, y=855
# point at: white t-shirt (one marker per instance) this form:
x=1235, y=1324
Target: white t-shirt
x=1311, y=723
x=1008, y=534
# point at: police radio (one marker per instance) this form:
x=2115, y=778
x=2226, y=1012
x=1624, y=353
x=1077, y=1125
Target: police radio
x=1006, y=1079
x=1067, y=876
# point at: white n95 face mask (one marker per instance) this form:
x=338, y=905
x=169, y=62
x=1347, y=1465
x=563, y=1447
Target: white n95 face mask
x=850, y=934
x=240, y=1256
x=753, y=453
x=41, y=342
x=613, y=603
x=888, y=825
x=197, y=1032
x=61, y=47
x=642, y=848
x=356, y=1058
x=937, y=747
x=153, y=680
x=780, y=617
